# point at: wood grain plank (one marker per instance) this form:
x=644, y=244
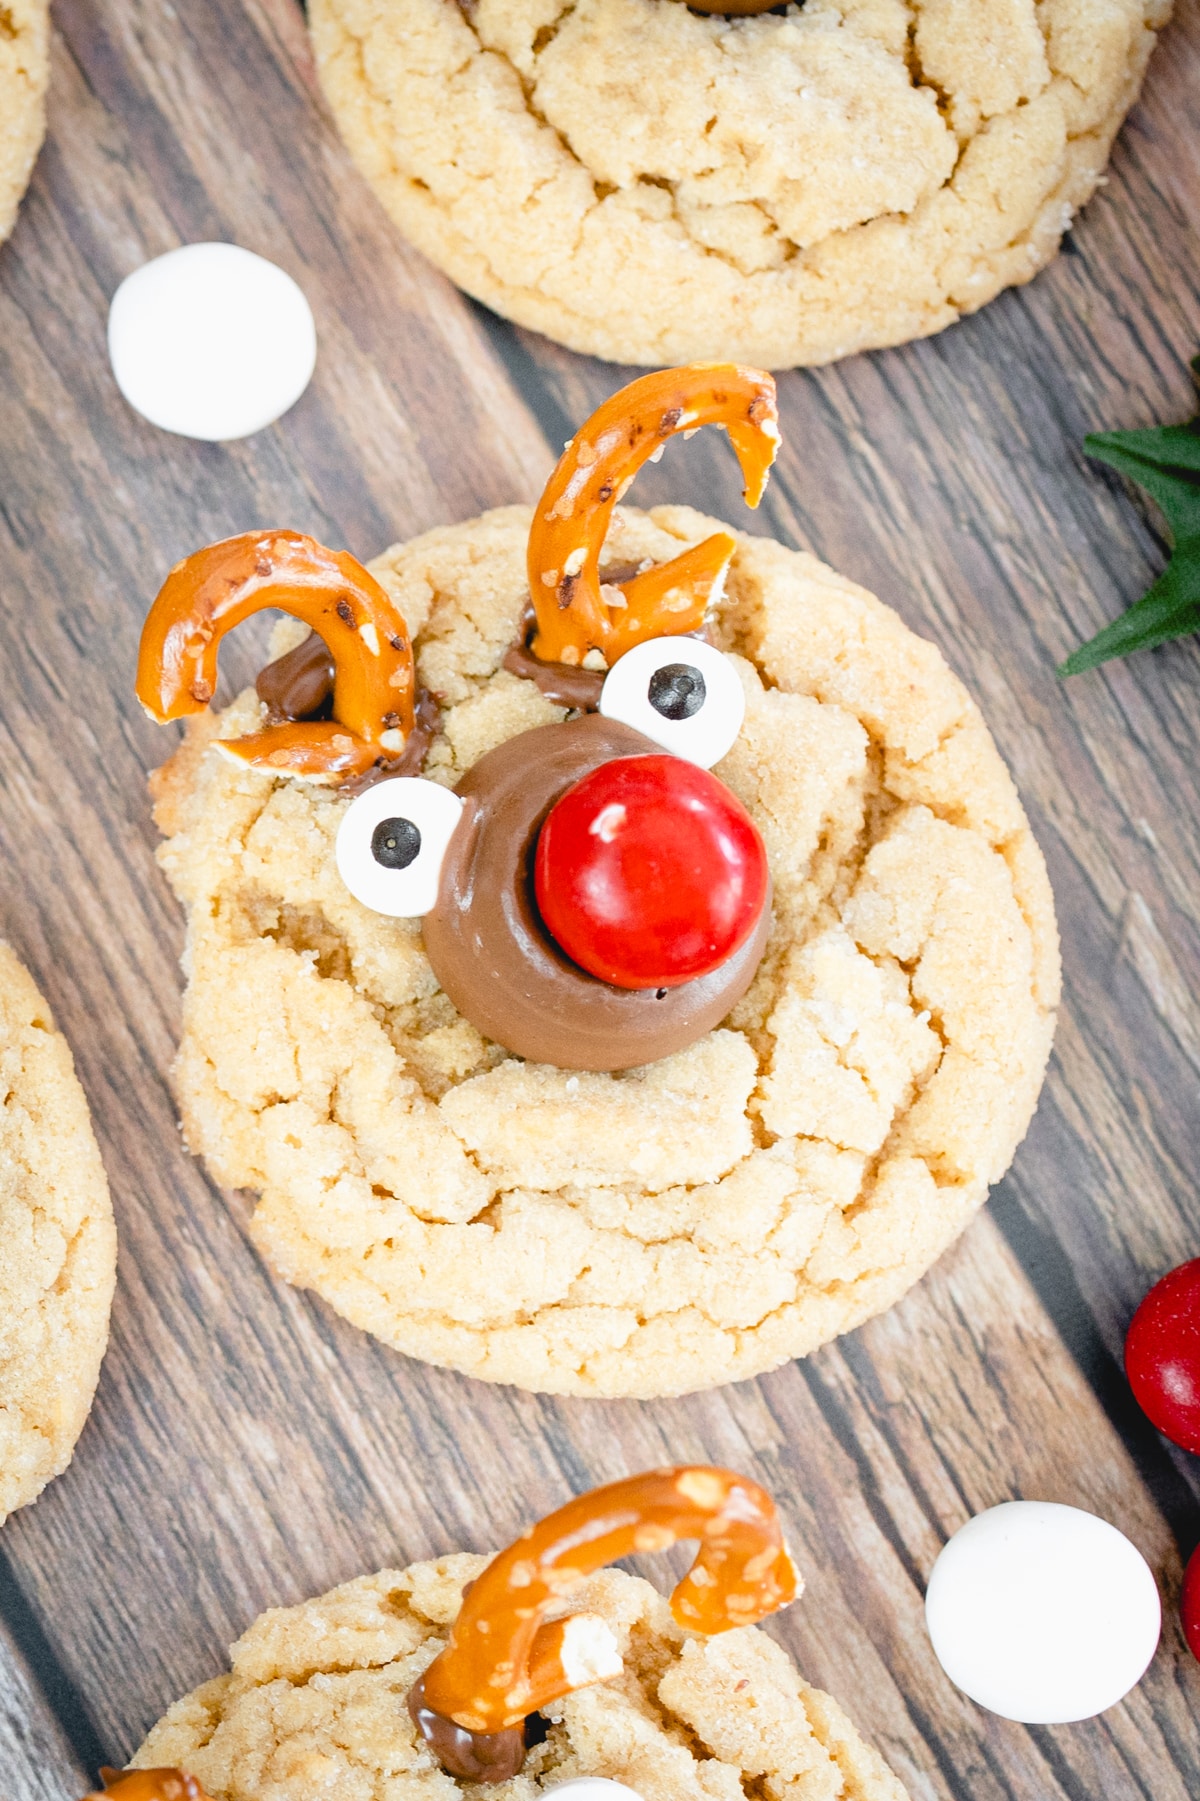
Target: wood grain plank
x=40, y=1760
x=247, y=1447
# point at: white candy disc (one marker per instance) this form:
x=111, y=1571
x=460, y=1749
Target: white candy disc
x=681, y=692
x=391, y=843
x=211, y=341
x=1042, y=1613
x=594, y=1788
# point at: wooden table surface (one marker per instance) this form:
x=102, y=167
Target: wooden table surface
x=247, y=1447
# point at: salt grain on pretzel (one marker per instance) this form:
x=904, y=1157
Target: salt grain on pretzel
x=504, y=1661
x=575, y=613
x=209, y=593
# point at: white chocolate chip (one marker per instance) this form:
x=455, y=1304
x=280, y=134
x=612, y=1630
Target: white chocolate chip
x=211, y=341
x=1042, y=1613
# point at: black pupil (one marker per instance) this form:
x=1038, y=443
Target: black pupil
x=676, y=690
x=395, y=843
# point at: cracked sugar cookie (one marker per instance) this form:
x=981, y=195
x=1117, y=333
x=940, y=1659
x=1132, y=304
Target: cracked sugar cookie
x=771, y=1098
x=58, y=1245
x=649, y=185
x=24, y=73
x=676, y=1700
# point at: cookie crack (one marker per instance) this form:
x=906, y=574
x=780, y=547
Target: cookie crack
x=921, y=78
x=546, y=34
x=601, y=190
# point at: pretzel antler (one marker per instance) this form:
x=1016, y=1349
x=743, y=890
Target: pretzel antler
x=503, y=1661
x=147, y=1785
x=210, y=592
x=574, y=613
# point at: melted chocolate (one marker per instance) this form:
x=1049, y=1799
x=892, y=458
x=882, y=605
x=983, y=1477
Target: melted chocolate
x=492, y=954
x=471, y=1756
x=299, y=685
x=566, y=684
x=563, y=683
x=427, y=719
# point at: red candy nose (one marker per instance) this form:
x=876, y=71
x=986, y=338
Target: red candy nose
x=1189, y=1604
x=1162, y=1355
x=649, y=872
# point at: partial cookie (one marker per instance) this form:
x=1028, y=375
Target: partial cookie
x=709, y=1216
x=653, y=186
x=315, y=1702
x=24, y=73
x=58, y=1245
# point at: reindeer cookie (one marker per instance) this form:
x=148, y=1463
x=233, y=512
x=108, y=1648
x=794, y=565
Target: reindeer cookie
x=546, y=1669
x=24, y=73
x=58, y=1245
x=649, y=181
x=678, y=1013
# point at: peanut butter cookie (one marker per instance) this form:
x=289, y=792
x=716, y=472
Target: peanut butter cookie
x=24, y=72
x=647, y=184
x=709, y=1215
x=315, y=1702
x=58, y=1245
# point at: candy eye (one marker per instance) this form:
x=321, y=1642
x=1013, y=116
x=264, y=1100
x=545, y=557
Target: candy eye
x=391, y=844
x=681, y=692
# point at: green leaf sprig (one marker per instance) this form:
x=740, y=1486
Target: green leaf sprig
x=1165, y=460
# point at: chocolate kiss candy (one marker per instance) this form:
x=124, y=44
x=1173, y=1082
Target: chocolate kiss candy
x=492, y=954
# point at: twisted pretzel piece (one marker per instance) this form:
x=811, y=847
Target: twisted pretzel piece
x=210, y=592
x=147, y=1785
x=574, y=613
x=503, y=1662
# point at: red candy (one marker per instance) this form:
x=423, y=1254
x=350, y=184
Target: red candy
x=1162, y=1358
x=1189, y=1603
x=650, y=872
